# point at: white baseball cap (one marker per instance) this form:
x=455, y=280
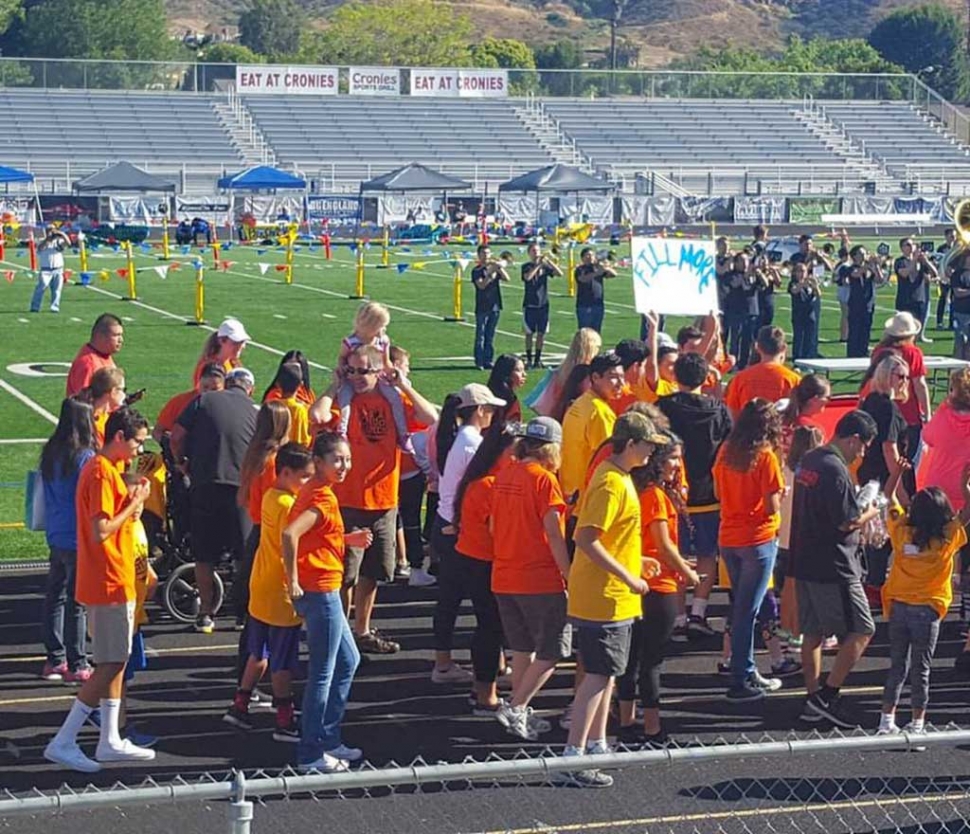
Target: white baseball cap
x=233, y=329
x=477, y=394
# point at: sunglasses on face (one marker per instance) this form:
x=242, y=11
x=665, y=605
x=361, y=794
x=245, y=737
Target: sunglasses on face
x=362, y=371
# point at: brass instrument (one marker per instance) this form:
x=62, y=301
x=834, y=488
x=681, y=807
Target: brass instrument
x=503, y=261
x=961, y=221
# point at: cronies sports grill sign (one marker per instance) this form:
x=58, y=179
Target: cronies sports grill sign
x=285, y=80
x=374, y=81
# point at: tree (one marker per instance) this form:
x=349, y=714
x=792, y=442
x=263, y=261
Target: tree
x=561, y=55
x=272, y=28
x=225, y=56
x=923, y=37
x=393, y=33
x=502, y=52
x=10, y=10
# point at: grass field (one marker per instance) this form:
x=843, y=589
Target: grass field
x=312, y=314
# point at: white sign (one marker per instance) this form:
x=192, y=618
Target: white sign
x=269, y=78
x=374, y=81
x=674, y=277
x=460, y=83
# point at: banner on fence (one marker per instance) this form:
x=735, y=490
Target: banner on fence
x=459, y=83
x=289, y=80
x=759, y=209
x=705, y=209
x=675, y=277
x=214, y=209
x=79, y=211
x=18, y=210
x=374, y=81
x=332, y=207
x=810, y=210
x=134, y=210
x=269, y=209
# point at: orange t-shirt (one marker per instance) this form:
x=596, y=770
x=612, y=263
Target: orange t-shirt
x=100, y=421
x=474, y=533
x=767, y=380
x=408, y=463
x=320, y=554
x=522, y=495
x=745, y=520
x=374, y=478
x=227, y=366
x=258, y=488
x=173, y=409
x=655, y=505
x=87, y=361
x=303, y=394
x=627, y=398
x=105, y=570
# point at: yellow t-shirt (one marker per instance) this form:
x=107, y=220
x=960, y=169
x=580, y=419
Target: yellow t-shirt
x=921, y=577
x=141, y=571
x=299, y=421
x=269, y=598
x=588, y=422
x=611, y=505
x=649, y=395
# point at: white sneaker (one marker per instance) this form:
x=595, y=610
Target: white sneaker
x=347, y=754
x=600, y=748
x=126, y=752
x=540, y=725
x=420, y=578
x=516, y=721
x=890, y=730
x=71, y=756
x=918, y=730
x=325, y=764
x=453, y=674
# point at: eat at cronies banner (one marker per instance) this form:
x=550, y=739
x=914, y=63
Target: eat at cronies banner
x=433, y=82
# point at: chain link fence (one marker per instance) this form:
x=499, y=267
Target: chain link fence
x=743, y=785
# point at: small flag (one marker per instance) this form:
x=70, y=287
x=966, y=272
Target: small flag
x=401, y=268
x=122, y=273
x=281, y=267
x=67, y=274
x=263, y=268
x=260, y=251
x=227, y=246
x=197, y=264
x=463, y=262
x=186, y=250
x=104, y=275
x=145, y=247
x=174, y=265
x=419, y=265
x=227, y=265
x=8, y=274
x=85, y=278
x=161, y=271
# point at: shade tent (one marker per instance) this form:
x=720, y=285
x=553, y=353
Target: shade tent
x=557, y=178
x=411, y=178
x=261, y=178
x=14, y=176
x=123, y=177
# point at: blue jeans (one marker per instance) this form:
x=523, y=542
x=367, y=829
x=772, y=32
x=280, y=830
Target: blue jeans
x=750, y=569
x=961, y=336
x=333, y=659
x=590, y=316
x=53, y=278
x=64, y=621
x=485, y=324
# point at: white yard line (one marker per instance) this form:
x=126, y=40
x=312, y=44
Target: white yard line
x=27, y=401
x=12, y=441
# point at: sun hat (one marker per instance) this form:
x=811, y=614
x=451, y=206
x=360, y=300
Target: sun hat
x=477, y=394
x=233, y=330
x=902, y=326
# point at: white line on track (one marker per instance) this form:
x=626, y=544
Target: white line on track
x=27, y=401
x=12, y=441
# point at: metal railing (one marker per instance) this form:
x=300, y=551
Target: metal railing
x=874, y=799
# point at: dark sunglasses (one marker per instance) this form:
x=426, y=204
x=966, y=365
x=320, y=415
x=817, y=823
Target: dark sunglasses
x=362, y=371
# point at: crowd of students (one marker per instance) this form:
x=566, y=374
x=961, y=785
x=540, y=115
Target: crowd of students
x=597, y=527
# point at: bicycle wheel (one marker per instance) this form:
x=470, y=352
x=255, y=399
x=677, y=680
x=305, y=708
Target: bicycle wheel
x=180, y=594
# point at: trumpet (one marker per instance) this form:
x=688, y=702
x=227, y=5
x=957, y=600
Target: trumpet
x=503, y=261
x=552, y=256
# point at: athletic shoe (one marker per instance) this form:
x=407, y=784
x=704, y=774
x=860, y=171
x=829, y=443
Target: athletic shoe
x=52, y=673
x=698, y=626
x=345, y=753
x=599, y=748
x=761, y=682
x=655, y=741
x=259, y=701
x=830, y=644
x=745, y=692
x=566, y=719
x=402, y=572
x=808, y=714
x=373, y=643
x=204, y=624
x=325, y=764
x=680, y=633
x=78, y=675
x=125, y=752
x=919, y=730
x=289, y=733
x=891, y=730
x=724, y=667
x=516, y=722
x=590, y=778
x=70, y=756
x=631, y=736
x=486, y=710
x=961, y=665
x=453, y=674
x=420, y=578
x=835, y=710
x=788, y=666
x=237, y=718
x=141, y=739
x=540, y=725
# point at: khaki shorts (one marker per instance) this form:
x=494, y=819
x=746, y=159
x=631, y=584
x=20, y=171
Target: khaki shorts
x=377, y=561
x=111, y=627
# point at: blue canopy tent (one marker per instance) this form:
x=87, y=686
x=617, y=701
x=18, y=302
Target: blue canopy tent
x=14, y=176
x=260, y=178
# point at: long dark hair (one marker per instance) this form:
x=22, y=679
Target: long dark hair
x=758, y=428
x=73, y=436
x=449, y=421
x=570, y=391
x=810, y=386
x=499, y=380
x=651, y=474
x=930, y=512
x=498, y=438
x=291, y=357
x=272, y=429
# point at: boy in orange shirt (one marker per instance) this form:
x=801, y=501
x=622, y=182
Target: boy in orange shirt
x=106, y=585
x=274, y=627
x=769, y=379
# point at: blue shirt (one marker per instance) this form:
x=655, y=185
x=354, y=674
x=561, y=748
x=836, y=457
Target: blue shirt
x=59, y=511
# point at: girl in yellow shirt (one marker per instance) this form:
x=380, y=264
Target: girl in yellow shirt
x=925, y=538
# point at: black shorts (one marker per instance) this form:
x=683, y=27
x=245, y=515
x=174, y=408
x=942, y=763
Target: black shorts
x=217, y=523
x=535, y=319
x=604, y=649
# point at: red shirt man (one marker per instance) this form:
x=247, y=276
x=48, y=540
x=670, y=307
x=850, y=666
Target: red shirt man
x=107, y=337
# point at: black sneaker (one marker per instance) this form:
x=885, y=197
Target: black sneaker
x=204, y=624
x=289, y=733
x=237, y=718
x=373, y=643
x=680, y=633
x=631, y=736
x=745, y=692
x=699, y=627
x=835, y=709
x=808, y=714
x=961, y=665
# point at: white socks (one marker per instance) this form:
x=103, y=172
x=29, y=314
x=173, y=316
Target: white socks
x=887, y=721
x=698, y=608
x=79, y=713
x=680, y=621
x=110, y=713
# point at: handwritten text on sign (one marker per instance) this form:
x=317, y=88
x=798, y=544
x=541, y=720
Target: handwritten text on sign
x=675, y=277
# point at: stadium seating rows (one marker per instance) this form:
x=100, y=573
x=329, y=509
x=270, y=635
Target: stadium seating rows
x=727, y=145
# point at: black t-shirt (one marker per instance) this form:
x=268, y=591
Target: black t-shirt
x=220, y=425
x=960, y=281
x=803, y=298
x=892, y=429
x=911, y=290
x=536, y=290
x=861, y=281
x=487, y=300
x=589, y=292
x=824, y=500
x=741, y=297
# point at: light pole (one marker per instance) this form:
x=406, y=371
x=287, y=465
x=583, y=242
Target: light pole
x=614, y=25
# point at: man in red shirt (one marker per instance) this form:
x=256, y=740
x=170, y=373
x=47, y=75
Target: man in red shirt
x=107, y=337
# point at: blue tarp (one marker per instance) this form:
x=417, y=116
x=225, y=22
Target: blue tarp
x=14, y=175
x=261, y=177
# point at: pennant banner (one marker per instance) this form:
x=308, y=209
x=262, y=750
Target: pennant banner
x=161, y=271
x=263, y=268
x=8, y=274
